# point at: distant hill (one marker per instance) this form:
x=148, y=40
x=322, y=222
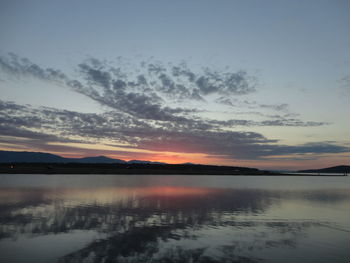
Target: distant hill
x=30, y=157
x=97, y=159
x=144, y=162
x=334, y=169
x=46, y=163
x=39, y=157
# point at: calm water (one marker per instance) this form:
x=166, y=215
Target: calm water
x=108, y=218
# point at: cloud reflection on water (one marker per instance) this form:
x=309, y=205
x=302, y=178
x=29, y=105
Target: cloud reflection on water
x=162, y=224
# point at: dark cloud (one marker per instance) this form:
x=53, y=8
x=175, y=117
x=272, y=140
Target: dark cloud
x=291, y=122
x=234, y=102
x=18, y=66
x=125, y=95
x=183, y=71
x=238, y=83
x=226, y=101
x=281, y=121
x=42, y=126
x=12, y=131
x=154, y=68
x=235, y=145
x=315, y=147
x=277, y=107
x=98, y=77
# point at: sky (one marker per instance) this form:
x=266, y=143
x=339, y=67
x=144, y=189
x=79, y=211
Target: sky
x=263, y=84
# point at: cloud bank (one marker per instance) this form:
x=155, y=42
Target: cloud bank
x=146, y=109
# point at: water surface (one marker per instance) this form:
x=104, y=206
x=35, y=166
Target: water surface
x=135, y=218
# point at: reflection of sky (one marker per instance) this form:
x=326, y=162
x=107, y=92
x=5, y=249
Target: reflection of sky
x=298, y=52
x=105, y=181
x=173, y=222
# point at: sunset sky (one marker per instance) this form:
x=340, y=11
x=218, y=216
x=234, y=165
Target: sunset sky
x=264, y=84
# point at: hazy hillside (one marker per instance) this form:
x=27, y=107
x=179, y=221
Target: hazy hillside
x=334, y=169
x=30, y=157
x=40, y=157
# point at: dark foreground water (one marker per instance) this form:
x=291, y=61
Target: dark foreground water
x=132, y=218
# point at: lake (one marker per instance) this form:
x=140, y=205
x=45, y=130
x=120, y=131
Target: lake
x=143, y=218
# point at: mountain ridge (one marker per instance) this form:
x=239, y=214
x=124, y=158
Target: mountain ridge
x=42, y=157
x=332, y=169
x=46, y=163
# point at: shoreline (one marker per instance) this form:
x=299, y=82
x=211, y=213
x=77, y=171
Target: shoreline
x=174, y=174
x=143, y=169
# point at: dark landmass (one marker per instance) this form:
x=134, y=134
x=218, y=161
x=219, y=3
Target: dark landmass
x=45, y=163
x=40, y=157
x=334, y=169
x=129, y=168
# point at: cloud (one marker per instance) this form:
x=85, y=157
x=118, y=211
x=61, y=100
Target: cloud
x=236, y=145
x=174, y=81
x=314, y=147
x=19, y=66
x=281, y=121
x=126, y=95
x=138, y=114
x=237, y=83
x=42, y=126
x=277, y=107
x=345, y=84
x=99, y=77
x=141, y=95
x=113, y=93
x=138, y=96
x=234, y=102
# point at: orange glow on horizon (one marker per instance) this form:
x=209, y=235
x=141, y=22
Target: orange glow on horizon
x=272, y=162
